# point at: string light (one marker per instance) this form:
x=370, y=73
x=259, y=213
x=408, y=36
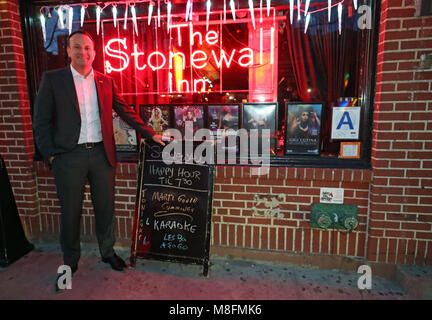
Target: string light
x=355, y=4
x=340, y=8
x=208, y=14
x=159, y=15
x=114, y=12
x=232, y=6
x=42, y=21
x=125, y=17
x=268, y=7
x=82, y=14
x=291, y=11
x=70, y=19
x=329, y=10
x=60, y=14
x=298, y=10
x=169, y=15
x=224, y=9
x=98, y=13
x=260, y=9
x=307, y=7
x=150, y=12
x=251, y=9
x=133, y=11
x=188, y=5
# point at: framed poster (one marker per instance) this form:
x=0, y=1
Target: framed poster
x=345, y=123
x=183, y=113
x=157, y=117
x=124, y=135
x=303, y=128
x=261, y=116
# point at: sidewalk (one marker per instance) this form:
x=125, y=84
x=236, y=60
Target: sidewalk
x=33, y=276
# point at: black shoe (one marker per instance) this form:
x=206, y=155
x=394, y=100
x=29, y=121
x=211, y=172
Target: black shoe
x=56, y=287
x=116, y=262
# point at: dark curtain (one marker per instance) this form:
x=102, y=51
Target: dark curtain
x=321, y=60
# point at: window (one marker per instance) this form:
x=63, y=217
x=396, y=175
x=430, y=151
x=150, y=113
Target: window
x=224, y=61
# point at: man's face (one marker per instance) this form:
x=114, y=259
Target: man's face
x=81, y=51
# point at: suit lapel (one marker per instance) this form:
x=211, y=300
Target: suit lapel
x=70, y=88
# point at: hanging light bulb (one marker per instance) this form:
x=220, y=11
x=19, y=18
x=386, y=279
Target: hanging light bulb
x=169, y=15
x=150, y=12
x=125, y=17
x=70, y=19
x=355, y=4
x=208, y=14
x=42, y=21
x=307, y=22
x=340, y=8
x=329, y=10
x=291, y=11
x=114, y=12
x=298, y=10
x=82, y=14
x=98, y=13
x=251, y=9
x=134, y=21
x=60, y=15
x=232, y=6
x=307, y=7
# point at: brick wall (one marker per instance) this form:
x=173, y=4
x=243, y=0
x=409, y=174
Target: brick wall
x=242, y=220
x=394, y=200
x=16, y=137
x=401, y=193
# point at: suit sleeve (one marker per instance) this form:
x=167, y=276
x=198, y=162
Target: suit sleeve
x=129, y=115
x=42, y=118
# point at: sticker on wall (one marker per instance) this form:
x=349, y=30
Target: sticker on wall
x=350, y=150
x=345, y=123
x=331, y=195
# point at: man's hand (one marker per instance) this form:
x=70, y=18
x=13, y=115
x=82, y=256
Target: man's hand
x=158, y=138
x=51, y=159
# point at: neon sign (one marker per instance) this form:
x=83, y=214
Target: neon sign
x=119, y=54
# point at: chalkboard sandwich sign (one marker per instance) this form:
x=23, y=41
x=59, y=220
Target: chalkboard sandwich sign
x=173, y=209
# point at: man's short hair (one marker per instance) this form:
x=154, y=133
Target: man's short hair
x=78, y=32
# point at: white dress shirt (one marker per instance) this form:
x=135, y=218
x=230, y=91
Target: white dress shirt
x=85, y=87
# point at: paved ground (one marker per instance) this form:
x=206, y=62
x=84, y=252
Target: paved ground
x=33, y=276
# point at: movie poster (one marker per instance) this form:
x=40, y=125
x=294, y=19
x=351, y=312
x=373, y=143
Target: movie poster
x=194, y=113
x=158, y=117
x=224, y=118
x=124, y=135
x=303, y=128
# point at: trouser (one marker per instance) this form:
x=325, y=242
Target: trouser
x=71, y=172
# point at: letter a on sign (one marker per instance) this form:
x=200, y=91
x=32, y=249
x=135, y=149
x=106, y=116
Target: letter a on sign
x=345, y=123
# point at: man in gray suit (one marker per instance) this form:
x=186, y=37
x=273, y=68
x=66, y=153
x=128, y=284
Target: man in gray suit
x=73, y=129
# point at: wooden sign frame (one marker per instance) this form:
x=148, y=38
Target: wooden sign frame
x=145, y=217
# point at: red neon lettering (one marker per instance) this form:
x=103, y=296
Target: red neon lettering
x=177, y=56
x=137, y=54
x=203, y=87
x=212, y=37
x=119, y=54
x=223, y=57
x=194, y=59
x=180, y=83
x=246, y=56
x=157, y=60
